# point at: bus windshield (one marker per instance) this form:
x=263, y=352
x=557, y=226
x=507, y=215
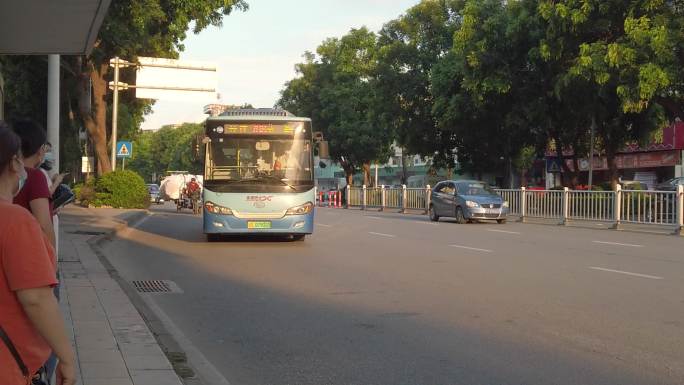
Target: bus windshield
x=259, y=159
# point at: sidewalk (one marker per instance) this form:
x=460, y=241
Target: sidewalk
x=113, y=344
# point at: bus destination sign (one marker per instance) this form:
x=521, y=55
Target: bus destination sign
x=257, y=128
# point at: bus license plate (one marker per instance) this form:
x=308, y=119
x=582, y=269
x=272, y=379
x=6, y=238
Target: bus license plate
x=258, y=225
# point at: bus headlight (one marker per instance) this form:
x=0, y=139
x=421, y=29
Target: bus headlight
x=216, y=209
x=300, y=210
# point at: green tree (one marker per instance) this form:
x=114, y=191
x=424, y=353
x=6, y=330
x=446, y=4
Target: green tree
x=408, y=48
x=336, y=89
x=621, y=57
x=484, y=86
x=169, y=148
x=136, y=28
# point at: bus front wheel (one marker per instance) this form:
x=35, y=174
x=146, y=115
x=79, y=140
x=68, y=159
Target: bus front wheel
x=298, y=237
x=213, y=237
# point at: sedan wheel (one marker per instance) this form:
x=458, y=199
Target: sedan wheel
x=433, y=214
x=460, y=218
x=501, y=221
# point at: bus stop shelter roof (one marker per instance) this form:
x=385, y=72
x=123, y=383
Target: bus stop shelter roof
x=40, y=27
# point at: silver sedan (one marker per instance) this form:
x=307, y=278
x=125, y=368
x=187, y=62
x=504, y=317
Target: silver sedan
x=467, y=200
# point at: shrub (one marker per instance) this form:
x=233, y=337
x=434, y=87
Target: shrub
x=85, y=192
x=119, y=189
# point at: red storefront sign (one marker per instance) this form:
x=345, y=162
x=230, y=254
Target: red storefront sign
x=634, y=160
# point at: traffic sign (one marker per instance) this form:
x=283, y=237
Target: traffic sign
x=553, y=165
x=124, y=149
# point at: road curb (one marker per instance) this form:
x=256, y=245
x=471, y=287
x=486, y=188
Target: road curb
x=168, y=344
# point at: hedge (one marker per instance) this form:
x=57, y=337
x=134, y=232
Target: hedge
x=119, y=189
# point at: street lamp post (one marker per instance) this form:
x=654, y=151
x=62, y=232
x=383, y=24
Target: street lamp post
x=591, y=153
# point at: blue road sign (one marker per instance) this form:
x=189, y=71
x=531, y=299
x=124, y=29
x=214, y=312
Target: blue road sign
x=124, y=149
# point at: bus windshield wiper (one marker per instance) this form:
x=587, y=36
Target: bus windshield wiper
x=264, y=178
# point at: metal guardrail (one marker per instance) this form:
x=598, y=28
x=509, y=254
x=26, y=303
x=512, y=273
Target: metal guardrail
x=665, y=208
x=547, y=204
x=512, y=196
x=374, y=197
x=355, y=196
x=394, y=198
x=649, y=207
x=416, y=198
x=591, y=205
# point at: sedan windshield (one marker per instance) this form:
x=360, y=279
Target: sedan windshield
x=475, y=188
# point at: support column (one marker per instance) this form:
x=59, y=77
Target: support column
x=53, y=107
x=680, y=210
x=53, y=123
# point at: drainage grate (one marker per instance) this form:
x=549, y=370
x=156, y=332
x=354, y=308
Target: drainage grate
x=156, y=286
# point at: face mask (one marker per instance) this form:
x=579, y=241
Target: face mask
x=49, y=157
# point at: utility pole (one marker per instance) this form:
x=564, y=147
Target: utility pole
x=116, y=63
x=591, y=153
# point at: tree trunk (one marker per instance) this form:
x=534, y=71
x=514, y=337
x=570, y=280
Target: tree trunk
x=366, y=174
x=404, y=176
x=612, y=169
x=564, y=169
x=95, y=118
x=574, y=178
x=523, y=177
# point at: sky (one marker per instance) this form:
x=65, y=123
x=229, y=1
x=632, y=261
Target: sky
x=255, y=51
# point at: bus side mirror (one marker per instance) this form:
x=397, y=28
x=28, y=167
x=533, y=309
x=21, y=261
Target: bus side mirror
x=323, y=150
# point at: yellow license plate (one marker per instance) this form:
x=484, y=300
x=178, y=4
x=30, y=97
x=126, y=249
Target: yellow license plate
x=259, y=225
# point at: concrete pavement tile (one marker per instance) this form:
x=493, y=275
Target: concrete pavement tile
x=155, y=362
x=108, y=381
x=98, y=329
x=99, y=355
x=92, y=341
x=111, y=369
x=77, y=282
x=140, y=349
x=155, y=377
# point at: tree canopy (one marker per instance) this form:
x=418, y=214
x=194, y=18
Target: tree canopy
x=491, y=83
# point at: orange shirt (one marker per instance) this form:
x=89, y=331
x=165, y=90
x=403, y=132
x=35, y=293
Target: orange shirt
x=27, y=261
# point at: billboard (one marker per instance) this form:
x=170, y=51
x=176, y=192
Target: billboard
x=169, y=79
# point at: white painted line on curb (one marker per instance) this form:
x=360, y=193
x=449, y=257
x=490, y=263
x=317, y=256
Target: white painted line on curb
x=382, y=235
x=471, y=248
x=504, y=231
x=617, y=244
x=625, y=272
x=323, y=225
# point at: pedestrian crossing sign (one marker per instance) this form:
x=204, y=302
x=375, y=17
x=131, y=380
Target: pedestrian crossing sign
x=124, y=149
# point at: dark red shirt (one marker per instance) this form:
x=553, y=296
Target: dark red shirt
x=36, y=187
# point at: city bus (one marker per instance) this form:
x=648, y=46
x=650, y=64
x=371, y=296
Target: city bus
x=258, y=174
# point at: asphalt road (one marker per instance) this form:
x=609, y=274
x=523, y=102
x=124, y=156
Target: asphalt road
x=374, y=298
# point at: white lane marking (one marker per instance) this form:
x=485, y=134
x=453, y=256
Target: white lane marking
x=626, y=272
x=323, y=224
x=373, y=217
x=382, y=235
x=504, y=231
x=617, y=244
x=428, y=223
x=471, y=248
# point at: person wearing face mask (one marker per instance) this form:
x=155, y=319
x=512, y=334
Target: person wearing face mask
x=35, y=195
x=46, y=168
x=31, y=325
